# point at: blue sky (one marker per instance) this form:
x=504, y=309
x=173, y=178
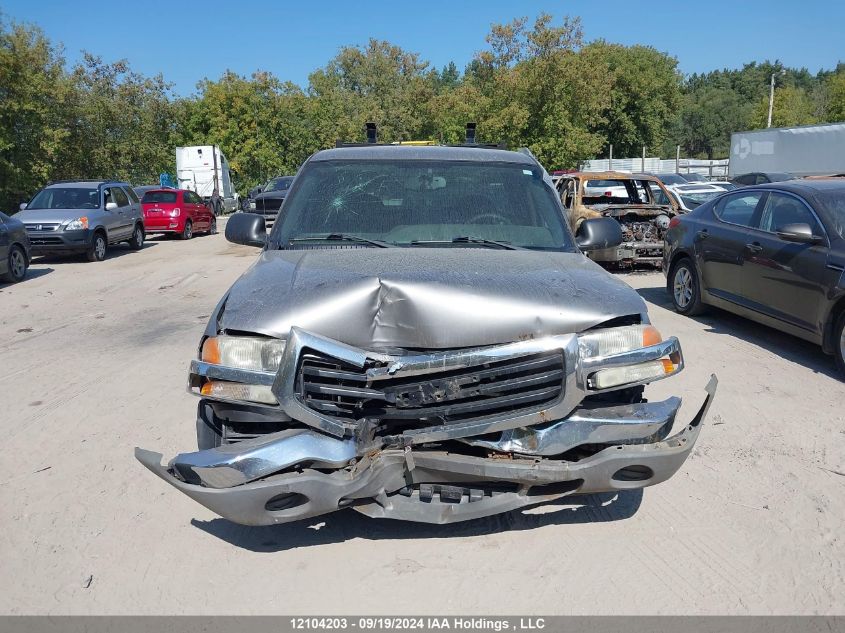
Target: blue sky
x=188, y=41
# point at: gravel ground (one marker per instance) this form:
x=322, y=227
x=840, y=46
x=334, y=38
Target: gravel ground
x=93, y=361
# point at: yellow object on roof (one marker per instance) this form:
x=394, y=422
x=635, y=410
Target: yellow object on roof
x=414, y=143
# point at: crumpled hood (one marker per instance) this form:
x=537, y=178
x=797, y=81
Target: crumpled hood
x=425, y=298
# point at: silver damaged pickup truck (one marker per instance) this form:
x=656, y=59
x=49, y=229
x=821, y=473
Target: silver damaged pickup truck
x=422, y=338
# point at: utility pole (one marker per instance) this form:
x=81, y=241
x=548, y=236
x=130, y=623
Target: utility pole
x=642, y=164
x=610, y=161
x=772, y=96
x=678, y=159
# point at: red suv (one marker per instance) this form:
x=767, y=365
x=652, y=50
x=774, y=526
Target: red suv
x=177, y=211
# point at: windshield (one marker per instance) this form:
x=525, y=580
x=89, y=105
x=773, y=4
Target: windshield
x=159, y=196
x=279, y=184
x=672, y=179
x=66, y=198
x=694, y=200
x=410, y=202
x=693, y=177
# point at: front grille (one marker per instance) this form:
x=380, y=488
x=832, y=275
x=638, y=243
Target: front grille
x=341, y=390
x=271, y=204
x=44, y=241
x=42, y=226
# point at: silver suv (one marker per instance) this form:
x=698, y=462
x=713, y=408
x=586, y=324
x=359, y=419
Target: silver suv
x=83, y=216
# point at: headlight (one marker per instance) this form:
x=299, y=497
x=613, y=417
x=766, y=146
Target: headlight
x=77, y=224
x=642, y=372
x=174, y=213
x=244, y=352
x=620, y=342
x=616, y=340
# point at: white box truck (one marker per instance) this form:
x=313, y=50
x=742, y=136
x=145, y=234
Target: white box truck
x=808, y=150
x=201, y=168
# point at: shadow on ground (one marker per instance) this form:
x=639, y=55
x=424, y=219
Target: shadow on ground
x=31, y=273
x=345, y=525
x=722, y=322
x=114, y=251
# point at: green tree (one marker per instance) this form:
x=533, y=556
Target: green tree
x=260, y=123
x=539, y=91
x=381, y=83
x=835, y=97
x=33, y=93
x=645, y=93
x=707, y=119
x=120, y=124
x=792, y=106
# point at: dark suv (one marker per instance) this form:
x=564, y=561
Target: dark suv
x=422, y=338
x=83, y=216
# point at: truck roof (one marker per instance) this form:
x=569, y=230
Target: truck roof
x=418, y=152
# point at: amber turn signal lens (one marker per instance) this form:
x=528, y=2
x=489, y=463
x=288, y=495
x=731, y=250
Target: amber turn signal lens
x=210, y=351
x=651, y=336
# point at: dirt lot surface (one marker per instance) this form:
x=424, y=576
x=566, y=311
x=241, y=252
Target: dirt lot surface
x=93, y=362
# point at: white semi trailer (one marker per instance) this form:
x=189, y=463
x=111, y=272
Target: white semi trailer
x=808, y=150
x=201, y=169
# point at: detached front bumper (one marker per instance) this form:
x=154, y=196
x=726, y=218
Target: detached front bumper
x=303, y=473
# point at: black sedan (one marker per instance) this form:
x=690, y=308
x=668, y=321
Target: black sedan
x=773, y=253
x=14, y=249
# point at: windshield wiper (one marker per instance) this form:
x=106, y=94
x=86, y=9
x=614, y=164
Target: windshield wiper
x=466, y=239
x=342, y=237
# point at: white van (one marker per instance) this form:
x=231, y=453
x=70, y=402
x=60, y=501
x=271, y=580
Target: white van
x=200, y=167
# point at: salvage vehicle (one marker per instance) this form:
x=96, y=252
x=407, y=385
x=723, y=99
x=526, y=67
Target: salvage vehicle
x=639, y=202
x=177, y=211
x=690, y=197
x=421, y=338
x=14, y=250
x=772, y=253
x=83, y=216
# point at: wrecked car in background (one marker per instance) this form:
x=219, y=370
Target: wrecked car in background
x=421, y=338
x=639, y=202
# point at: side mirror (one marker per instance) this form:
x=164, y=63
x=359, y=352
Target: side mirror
x=799, y=232
x=598, y=233
x=22, y=206
x=247, y=229
x=111, y=206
